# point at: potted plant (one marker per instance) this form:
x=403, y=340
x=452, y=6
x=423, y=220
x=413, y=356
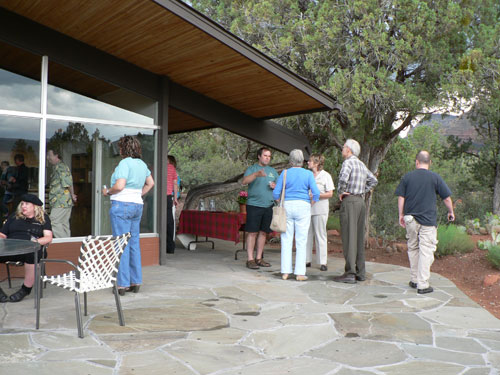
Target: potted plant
x=242, y=200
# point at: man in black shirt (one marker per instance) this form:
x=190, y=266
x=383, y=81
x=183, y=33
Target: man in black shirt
x=417, y=213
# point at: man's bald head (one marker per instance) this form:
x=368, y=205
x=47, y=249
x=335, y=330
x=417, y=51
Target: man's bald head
x=423, y=157
x=423, y=160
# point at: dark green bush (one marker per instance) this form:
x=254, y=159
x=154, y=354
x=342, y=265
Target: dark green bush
x=384, y=214
x=453, y=240
x=494, y=255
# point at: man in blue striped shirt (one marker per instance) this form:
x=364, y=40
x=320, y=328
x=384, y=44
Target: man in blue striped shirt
x=354, y=181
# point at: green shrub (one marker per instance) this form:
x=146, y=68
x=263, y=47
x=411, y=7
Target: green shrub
x=453, y=240
x=487, y=244
x=469, y=206
x=333, y=222
x=384, y=215
x=494, y=256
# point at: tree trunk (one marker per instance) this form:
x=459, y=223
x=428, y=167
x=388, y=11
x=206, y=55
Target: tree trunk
x=217, y=188
x=496, y=190
x=209, y=190
x=372, y=157
x=496, y=185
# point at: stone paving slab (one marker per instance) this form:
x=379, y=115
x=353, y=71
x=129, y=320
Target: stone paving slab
x=289, y=366
x=153, y=362
x=208, y=357
x=360, y=353
x=205, y=313
x=423, y=368
x=282, y=343
x=51, y=368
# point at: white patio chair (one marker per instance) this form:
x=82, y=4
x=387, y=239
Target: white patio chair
x=97, y=268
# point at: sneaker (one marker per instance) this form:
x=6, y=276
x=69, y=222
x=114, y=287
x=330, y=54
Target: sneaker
x=323, y=268
x=412, y=284
x=301, y=277
x=425, y=290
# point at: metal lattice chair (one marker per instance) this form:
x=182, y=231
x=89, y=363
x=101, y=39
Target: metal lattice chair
x=97, y=268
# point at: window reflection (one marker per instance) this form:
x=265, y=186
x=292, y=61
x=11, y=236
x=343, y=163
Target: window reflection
x=91, y=153
x=92, y=98
x=86, y=153
x=19, y=82
x=19, y=158
x=18, y=93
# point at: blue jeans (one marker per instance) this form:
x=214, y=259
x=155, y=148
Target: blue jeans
x=126, y=217
x=298, y=219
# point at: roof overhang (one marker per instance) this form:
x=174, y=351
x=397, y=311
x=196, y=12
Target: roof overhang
x=160, y=38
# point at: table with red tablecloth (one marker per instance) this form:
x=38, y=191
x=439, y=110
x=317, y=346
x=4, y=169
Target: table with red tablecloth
x=214, y=224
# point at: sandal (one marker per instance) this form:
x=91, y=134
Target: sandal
x=252, y=265
x=19, y=295
x=262, y=263
x=301, y=277
x=3, y=297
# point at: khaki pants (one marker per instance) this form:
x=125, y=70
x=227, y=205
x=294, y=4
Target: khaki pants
x=422, y=243
x=59, y=217
x=317, y=234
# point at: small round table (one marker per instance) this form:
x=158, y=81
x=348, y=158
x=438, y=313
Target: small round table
x=10, y=246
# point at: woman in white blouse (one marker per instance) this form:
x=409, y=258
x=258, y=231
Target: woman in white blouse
x=319, y=212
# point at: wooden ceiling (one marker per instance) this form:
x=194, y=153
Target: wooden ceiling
x=169, y=38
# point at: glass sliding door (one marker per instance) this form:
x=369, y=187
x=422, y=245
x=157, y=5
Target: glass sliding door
x=91, y=153
x=19, y=145
x=47, y=107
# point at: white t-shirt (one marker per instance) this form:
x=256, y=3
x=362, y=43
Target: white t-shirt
x=325, y=183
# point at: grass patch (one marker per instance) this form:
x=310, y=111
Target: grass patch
x=453, y=240
x=494, y=256
x=333, y=223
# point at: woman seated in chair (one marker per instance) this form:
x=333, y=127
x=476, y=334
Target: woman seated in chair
x=31, y=223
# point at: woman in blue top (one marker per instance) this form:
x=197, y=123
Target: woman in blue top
x=129, y=182
x=299, y=182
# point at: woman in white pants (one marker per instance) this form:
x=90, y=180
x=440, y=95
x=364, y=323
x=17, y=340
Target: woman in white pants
x=319, y=212
x=300, y=193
